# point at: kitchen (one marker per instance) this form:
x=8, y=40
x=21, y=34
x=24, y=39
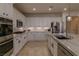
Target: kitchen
x=39, y=29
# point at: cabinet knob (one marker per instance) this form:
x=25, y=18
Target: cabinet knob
x=3, y=13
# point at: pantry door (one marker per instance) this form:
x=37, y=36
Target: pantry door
x=73, y=25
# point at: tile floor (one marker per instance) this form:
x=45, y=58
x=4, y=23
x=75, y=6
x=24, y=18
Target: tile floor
x=35, y=48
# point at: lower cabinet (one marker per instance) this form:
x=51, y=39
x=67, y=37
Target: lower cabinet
x=63, y=51
x=52, y=45
x=57, y=49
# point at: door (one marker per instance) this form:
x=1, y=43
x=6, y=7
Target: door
x=73, y=25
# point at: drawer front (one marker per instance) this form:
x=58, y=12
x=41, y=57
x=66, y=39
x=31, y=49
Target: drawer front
x=52, y=45
x=5, y=47
x=63, y=51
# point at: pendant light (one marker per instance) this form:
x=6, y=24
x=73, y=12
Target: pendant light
x=69, y=17
x=50, y=8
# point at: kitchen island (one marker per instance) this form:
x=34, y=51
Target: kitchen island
x=70, y=45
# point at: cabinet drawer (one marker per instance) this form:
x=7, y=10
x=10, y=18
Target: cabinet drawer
x=63, y=51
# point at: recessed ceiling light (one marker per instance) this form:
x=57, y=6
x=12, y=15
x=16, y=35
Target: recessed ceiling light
x=34, y=9
x=50, y=9
x=65, y=9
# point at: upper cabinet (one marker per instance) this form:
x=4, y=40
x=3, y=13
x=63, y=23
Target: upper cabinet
x=1, y=9
x=6, y=10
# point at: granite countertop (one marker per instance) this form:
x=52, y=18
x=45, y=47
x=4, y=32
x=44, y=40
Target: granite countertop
x=71, y=44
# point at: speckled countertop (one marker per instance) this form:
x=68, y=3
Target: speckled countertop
x=71, y=44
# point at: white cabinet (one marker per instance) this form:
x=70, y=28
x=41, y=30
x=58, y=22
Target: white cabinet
x=9, y=10
x=63, y=51
x=36, y=36
x=1, y=9
x=57, y=49
x=49, y=42
x=52, y=45
x=16, y=44
x=6, y=10
x=19, y=41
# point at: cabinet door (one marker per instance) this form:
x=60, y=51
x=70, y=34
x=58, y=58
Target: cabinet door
x=73, y=25
x=16, y=44
x=8, y=10
x=52, y=45
x=1, y=9
x=49, y=42
x=62, y=51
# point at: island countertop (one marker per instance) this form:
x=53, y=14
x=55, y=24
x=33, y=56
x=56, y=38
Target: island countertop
x=71, y=44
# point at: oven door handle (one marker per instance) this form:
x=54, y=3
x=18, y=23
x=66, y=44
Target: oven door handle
x=5, y=42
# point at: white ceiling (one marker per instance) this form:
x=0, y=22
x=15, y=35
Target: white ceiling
x=43, y=7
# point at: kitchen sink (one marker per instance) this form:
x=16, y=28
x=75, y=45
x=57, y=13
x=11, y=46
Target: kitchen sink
x=61, y=37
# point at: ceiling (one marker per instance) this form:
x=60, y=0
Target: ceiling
x=43, y=7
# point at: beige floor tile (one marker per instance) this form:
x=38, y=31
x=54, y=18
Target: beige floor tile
x=35, y=48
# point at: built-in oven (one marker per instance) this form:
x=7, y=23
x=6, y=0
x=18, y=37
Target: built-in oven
x=6, y=36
